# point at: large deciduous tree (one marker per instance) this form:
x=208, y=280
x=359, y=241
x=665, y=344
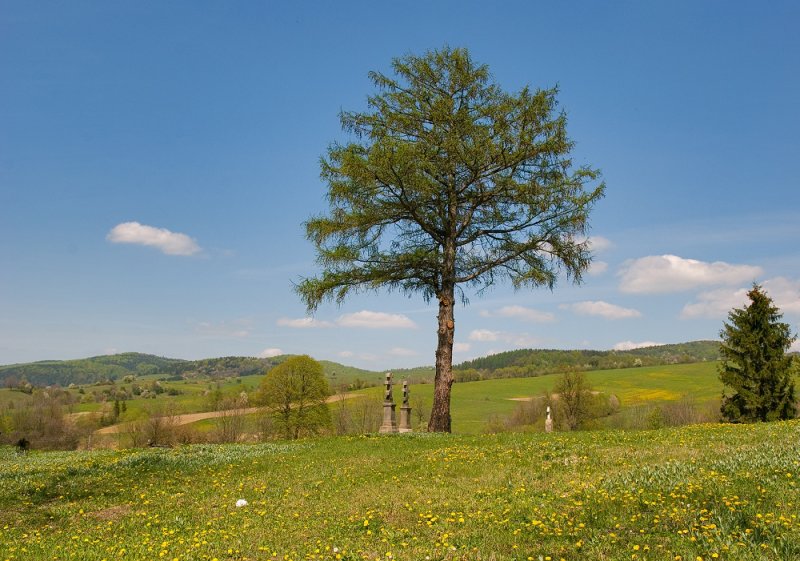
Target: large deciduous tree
x=449, y=182
x=755, y=369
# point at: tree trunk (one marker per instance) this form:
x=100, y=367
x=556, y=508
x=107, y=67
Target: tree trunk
x=440, y=412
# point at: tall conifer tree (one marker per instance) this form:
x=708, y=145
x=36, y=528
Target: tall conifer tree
x=451, y=182
x=757, y=373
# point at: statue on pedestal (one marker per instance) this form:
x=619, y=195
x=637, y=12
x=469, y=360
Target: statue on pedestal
x=405, y=410
x=389, y=420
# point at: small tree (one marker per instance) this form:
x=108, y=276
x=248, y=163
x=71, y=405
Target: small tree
x=755, y=369
x=295, y=391
x=574, y=399
x=451, y=183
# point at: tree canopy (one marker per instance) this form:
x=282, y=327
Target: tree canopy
x=295, y=391
x=755, y=369
x=449, y=182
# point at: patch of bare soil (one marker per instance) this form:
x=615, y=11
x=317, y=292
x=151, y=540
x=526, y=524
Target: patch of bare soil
x=111, y=513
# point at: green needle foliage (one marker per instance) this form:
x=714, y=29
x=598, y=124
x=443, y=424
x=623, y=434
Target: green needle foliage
x=755, y=368
x=450, y=183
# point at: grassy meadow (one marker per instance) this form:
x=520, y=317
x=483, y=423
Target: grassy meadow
x=694, y=493
x=475, y=403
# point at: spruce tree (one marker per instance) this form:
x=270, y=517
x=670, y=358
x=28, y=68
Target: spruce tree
x=755, y=369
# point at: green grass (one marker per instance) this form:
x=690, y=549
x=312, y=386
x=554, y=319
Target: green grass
x=474, y=403
x=706, y=491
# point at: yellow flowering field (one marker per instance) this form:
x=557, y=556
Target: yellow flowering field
x=705, y=492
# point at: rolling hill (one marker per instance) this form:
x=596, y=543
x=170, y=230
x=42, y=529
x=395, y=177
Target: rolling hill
x=521, y=363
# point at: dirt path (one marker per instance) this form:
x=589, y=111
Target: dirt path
x=194, y=417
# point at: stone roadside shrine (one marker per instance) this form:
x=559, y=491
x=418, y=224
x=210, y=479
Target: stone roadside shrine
x=389, y=420
x=405, y=410
x=389, y=424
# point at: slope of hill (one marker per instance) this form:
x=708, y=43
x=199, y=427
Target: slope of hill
x=529, y=362
x=511, y=364
x=87, y=370
x=115, y=367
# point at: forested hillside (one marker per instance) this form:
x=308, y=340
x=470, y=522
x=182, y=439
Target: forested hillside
x=116, y=367
x=529, y=362
x=511, y=364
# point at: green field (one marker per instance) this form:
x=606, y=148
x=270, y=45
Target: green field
x=700, y=492
x=474, y=403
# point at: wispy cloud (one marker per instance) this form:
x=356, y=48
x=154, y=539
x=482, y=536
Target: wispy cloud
x=602, y=309
x=598, y=268
x=714, y=304
x=268, y=353
x=670, y=273
x=402, y=351
x=364, y=318
x=170, y=243
x=303, y=323
x=516, y=339
x=519, y=312
x=786, y=294
x=375, y=320
x=630, y=345
x=599, y=243
x=461, y=347
x=483, y=335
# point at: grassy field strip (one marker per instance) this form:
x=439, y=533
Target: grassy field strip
x=707, y=492
x=189, y=418
x=474, y=403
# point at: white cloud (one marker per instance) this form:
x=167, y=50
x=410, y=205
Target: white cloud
x=520, y=312
x=364, y=318
x=786, y=294
x=599, y=243
x=602, y=309
x=401, y=351
x=345, y=354
x=630, y=345
x=303, y=323
x=715, y=304
x=170, y=243
x=598, y=268
x=795, y=348
x=461, y=347
x=375, y=320
x=267, y=353
x=670, y=273
x=483, y=335
x=515, y=339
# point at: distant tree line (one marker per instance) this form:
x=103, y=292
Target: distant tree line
x=106, y=369
x=525, y=363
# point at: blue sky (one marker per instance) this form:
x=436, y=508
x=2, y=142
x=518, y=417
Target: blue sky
x=157, y=161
